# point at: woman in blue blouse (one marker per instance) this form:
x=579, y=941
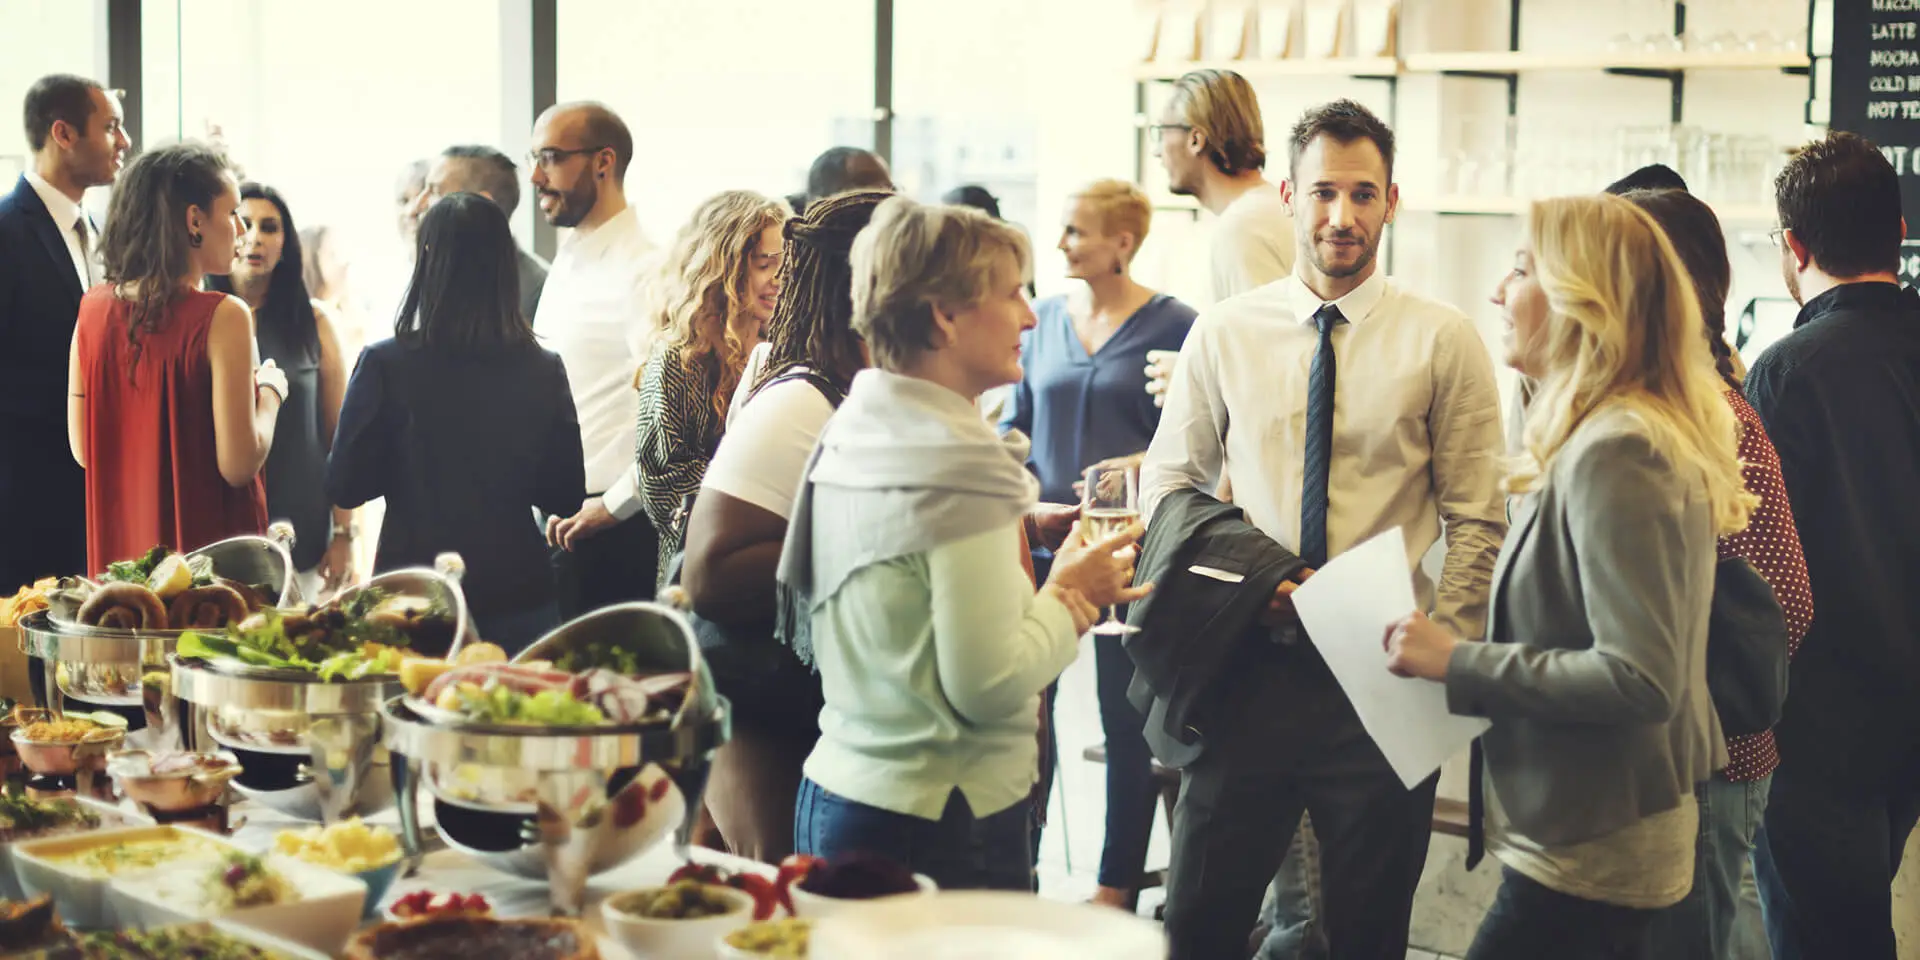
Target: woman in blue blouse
x=1083, y=400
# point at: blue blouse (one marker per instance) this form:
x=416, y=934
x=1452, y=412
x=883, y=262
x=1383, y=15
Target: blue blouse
x=1082, y=409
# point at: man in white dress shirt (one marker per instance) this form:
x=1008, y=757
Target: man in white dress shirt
x=1355, y=407
x=593, y=312
x=49, y=257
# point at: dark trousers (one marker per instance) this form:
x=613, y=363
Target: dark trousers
x=960, y=851
x=1283, y=739
x=1838, y=818
x=619, y=564
x=1531, y=922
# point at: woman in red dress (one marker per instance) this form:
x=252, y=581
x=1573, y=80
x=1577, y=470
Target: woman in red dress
x=169, y=410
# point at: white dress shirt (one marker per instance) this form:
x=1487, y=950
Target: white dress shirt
x=65, y=213
x=1252, y=242
x=594, y=313
x=1416, y=429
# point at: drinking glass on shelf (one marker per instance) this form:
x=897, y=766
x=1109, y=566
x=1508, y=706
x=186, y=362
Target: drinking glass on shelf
x=1111, y=504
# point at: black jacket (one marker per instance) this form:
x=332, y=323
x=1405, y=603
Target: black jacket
x=1191, y=622
x=43, y=493
x=1840, y=397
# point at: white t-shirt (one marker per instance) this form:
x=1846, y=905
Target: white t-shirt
x=767, y=443
x=1252, y=242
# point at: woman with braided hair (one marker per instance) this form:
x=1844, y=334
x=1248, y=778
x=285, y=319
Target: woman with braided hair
x=740, y=519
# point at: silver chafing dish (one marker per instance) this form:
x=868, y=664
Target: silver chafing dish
x=311, y=748
x=562, y=804
x=110, y=667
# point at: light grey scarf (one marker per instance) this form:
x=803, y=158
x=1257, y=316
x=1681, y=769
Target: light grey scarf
x=920, y=468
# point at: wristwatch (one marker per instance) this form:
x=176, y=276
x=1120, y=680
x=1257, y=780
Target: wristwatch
x=349, y=530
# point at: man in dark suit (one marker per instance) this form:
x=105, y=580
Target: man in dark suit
x=48, y=257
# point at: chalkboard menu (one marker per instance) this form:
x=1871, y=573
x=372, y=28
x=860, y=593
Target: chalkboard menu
x=1876, y=93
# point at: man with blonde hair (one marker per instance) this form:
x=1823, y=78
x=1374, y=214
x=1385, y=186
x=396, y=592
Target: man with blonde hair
x=1213, y=146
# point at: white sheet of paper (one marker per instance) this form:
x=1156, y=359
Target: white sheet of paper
x=1346, y=607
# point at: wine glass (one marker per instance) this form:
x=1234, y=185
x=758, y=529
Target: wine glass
x=1111, y=504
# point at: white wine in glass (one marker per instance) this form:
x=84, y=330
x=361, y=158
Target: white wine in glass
x=1111, y=504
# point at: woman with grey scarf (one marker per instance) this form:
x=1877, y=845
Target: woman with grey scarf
x=904, y=549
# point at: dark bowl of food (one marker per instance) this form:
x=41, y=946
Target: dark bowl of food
x=823, y=887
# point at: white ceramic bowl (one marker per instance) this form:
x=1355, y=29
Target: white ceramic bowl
x=816, y=906
x=649, y=937
x=80, y=896
x=326, y=913
x=113, y=817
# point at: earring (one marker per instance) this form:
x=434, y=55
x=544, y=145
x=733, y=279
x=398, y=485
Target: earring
x=195, y=239
x=1119, y=268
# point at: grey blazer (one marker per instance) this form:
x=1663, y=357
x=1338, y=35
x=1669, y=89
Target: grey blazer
x=1595, y=669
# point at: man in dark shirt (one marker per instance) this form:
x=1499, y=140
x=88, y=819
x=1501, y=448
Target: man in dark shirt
x=1840, y=397
x=476, y=168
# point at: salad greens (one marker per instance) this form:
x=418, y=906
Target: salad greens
x=556, y=708
x=327, y=642
x=600, y=653
x=137, y=571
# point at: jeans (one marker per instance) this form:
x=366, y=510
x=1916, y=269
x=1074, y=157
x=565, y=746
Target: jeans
x=1529, y=921
x=1836, y=828
x=1714, y=921
x=1292, y=911
x=1131, y=795
x=959, y=851
x=516, y=630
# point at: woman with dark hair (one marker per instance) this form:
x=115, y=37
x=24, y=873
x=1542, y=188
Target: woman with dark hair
x=464, y=424
x=1719, y=919
x=169, y=409
x=740, y=519
x=297, y=334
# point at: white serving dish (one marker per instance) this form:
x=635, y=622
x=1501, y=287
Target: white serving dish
x=328, y=910
x=983, y=925
x=10, y=883
x=815, y=906
x=80, y=897
x=675, y=938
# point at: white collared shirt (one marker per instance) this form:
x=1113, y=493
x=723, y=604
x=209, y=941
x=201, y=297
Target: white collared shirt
x=1416, y=429
x=65, y=213
x=594, y=313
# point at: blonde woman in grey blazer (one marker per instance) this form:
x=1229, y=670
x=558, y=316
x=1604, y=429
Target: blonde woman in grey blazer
x=1594, y=669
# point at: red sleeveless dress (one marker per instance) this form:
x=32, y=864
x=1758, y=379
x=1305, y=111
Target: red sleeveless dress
x=153, y=471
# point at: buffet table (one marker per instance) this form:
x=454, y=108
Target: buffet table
x=448, y=871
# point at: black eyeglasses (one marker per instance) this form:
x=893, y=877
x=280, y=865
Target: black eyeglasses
x=547, y=157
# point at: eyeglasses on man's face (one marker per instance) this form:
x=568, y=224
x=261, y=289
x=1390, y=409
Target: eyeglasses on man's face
x=1775, y=235
x=546, y=158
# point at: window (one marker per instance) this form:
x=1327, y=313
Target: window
x=42, y=38
x=328, y=103
x=721, y=94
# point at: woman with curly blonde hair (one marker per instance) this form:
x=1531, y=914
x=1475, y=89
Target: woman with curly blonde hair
x=717, y=291
x=1594, y=669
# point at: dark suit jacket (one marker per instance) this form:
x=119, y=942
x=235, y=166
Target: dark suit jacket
x=43, y=492
x=1191, y=622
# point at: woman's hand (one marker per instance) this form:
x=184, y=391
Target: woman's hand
x=336, y=566
x=1052, y=524
x=1160, y=373
x=1084, y=614
x=269, y=376
x=1099, y=571
x=1418, y=647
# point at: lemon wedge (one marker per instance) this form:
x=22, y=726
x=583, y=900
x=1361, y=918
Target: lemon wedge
x=171, y=577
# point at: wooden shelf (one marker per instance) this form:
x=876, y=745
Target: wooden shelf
x=1338, y=67
x=1730, y=214
x=1508, y=62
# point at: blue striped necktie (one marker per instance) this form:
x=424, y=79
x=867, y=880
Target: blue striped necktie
x=1319, y=460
